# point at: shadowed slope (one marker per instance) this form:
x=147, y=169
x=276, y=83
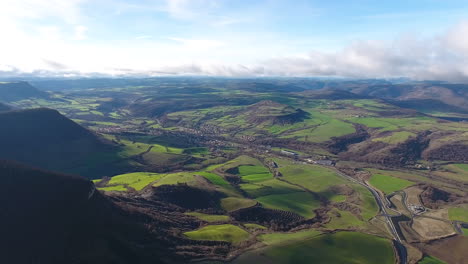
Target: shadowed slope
x=4, y=107
x=15, y=91
x=52, y=218
x=45, y=138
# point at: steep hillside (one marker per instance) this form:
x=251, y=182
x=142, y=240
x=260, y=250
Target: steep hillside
x=53, y=218
x=45, y=138
x=440, y=97
x=16, y=91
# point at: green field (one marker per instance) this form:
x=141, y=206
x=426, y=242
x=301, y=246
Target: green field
x=176, y=178
x=367, y=204
x=462, y=166
x=233, y=203
x=228, y=233
x=209, y=218
x=431, y=260
x=314, y=178
x=239, y=161
x=396, y=137
x=458, y=214
x=116, y=188
x=137, y=180
x=254, y=173
x=388, y=184
x=132, y=148
x=367, y=104
x=254, y=227
x=325, y=131
x=386, y=124
x=337, y=198
x=219, y=181
x=465, y=231
x=338, y=248
x=283, y=238
x=214, y=178
x=269, y=187
x=245, y=170
x=392, y=124
x=301, y=203
x=343, y=219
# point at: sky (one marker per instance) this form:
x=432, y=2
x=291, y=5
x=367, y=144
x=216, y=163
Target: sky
x=418, y=39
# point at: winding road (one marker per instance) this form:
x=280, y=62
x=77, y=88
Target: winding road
x=383, y=207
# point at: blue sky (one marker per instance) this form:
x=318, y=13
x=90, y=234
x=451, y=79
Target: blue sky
x=422, y=39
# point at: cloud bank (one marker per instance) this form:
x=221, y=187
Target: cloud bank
x=67, y=49
x=443, y=57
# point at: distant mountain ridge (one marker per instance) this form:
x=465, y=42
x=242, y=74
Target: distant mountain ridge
x=427, y=96
x=455, y=95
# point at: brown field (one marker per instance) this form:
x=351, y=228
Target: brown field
x=414, y=254
x=378, y=228
x=413, y=195
x=452, y=250
x=452, y=172
x=439, y=213
x=430, y=229
x=408, y=233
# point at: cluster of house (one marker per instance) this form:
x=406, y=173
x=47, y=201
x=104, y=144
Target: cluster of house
x=416, y=209
x=110, y=129
x=289, y=153
x=324, y=162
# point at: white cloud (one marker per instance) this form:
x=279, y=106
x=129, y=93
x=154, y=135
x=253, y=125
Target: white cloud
x=143, y=37
x=457, y=38
x=45, y=49
x=66, y=10
x=227, y=21
x=442, y=57
x=198, y=44
x=80, y=33
x=189, y=9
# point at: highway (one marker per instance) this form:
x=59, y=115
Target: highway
x=383, y=207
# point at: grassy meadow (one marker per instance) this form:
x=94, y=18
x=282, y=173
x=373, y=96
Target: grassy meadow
x=209, y=218
x=458, y=214
x=353, y=247
x=227, y=232
x=431, y=260
x=389, y=184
